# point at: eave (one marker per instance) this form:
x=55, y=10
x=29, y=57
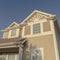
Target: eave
x=11, y=42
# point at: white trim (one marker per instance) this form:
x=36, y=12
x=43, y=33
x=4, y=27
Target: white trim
x=12, y=53
x=3, y=44
x=16, y=57
x=7, y=57
x=17, y=33
x=55, y=40
x=8, y=47
x=50, y=15
x=34, y=27
x=12, y=24
x=38, y=34
x=42, y=52
x=41, y=27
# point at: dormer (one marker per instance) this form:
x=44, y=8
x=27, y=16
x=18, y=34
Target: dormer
x=11, y=31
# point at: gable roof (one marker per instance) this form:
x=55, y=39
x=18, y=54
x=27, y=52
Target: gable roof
x=13, y=24
x=37, y=11
x=10, y=26
x=26, y=19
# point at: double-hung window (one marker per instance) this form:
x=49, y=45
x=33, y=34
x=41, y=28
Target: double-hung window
x=11, y=57
x=36, y=28
x=4, y=57
x=36, y=54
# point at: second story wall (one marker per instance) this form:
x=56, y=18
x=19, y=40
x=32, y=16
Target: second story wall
x=37, y=25
x=12, y=31
x=5, y=34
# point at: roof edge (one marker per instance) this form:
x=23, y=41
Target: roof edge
x=51, y=15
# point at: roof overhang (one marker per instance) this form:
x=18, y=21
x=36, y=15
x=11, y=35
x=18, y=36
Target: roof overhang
x=12, y=43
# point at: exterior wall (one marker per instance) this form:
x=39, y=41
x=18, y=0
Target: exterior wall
x=46, y=39
x=5, y=34
x=42, y=28
x=43, y=40
x=27, y=30
x=46, y=26
x=46, y=42
x=17, y=33
x=57, y=36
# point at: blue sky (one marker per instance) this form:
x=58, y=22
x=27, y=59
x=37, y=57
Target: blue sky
x=18, y=10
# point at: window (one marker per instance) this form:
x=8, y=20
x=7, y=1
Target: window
x=27, y=30
x=13, y=32
x=11, y=57
x=36, y=28
x=36, y=54
x=4, y=57
x=46, y=26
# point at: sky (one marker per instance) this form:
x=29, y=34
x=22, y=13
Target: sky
x=18, y=10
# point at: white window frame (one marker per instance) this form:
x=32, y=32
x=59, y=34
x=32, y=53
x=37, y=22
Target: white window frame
x=3, y=57
x=41, y=29
x=12, y=31
x=35, y=31
x=17, y=33
x=41, y=49
x=10, y=55
x=7, y=56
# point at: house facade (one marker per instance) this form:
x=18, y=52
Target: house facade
x=35, y=38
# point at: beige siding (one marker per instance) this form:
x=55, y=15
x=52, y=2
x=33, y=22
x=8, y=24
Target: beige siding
x=46, y=42
x=27, y=30
x=46, y=26
x=5, y=34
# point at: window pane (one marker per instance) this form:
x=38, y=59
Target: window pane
x=4, y=57
x=11, y=57
x=13, y=32
x=36, y=28
x=36, y=54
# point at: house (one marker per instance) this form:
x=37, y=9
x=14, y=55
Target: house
x=35, y=38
